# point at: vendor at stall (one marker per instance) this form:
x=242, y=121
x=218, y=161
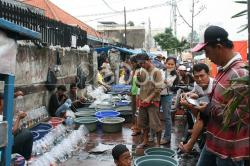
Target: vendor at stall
x=59, y=102
x=23, y=139
x=100, y=80
x=77, y=102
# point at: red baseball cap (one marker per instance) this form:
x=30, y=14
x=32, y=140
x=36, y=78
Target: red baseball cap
x=213, y=34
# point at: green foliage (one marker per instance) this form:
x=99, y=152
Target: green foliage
x=131, y=23
x=169, y=42
x=236, y=93
x=240, y=14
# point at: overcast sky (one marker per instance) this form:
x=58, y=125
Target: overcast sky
x=217, y=12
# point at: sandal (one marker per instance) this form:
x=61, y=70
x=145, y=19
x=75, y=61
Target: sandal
x=141, y=146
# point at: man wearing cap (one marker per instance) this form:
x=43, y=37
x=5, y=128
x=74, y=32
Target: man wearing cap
x=157, y=62
x=185, y=77
x=230, y=146
x=150, y=80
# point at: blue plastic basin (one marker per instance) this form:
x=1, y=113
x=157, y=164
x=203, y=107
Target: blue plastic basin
x=42, y=129
x=35, y=135
x=106, y=113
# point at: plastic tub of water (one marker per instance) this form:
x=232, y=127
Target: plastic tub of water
x=89, y=122
x=103, y=113
x=160, y=151
x=155, y=160
x=85, y=109
x=112, y=124
x=54, y=121
x=85, y=113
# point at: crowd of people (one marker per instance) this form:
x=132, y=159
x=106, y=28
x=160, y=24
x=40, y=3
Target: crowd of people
x=154, y=82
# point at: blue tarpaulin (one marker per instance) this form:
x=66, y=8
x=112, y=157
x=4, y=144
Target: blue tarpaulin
x=124, y=50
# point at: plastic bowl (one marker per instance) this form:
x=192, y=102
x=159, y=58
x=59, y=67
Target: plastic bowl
x=111, y=124
x=85, y=109
x=160, y=151
x=89, y=122
x=85, y=113
x=150, y=162
x=122, y=103
x=54, y=121
x=107, y=113
x=155, y=157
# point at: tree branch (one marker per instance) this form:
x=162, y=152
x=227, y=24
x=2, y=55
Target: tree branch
x=182, y=17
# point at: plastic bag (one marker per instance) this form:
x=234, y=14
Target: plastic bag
x=8, y=51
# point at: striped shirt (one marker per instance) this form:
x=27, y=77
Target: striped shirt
x=228, y=143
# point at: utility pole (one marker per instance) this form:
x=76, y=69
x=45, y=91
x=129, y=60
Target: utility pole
x=149, y=35
x=192, y=26
x=173, y=17
x=125, y=27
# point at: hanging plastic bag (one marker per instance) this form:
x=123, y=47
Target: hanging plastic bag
x=51, y=80
x=8, y=51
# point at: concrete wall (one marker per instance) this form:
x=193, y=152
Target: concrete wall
x=32, y=66
x=135, y=37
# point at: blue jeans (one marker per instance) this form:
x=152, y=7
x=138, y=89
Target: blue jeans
x=166, y=102
x=210, y=159
x=63, y=108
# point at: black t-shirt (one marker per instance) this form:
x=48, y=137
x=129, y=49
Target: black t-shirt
x=53, y=104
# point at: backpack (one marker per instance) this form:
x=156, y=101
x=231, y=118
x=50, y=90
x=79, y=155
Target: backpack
x=51, y=80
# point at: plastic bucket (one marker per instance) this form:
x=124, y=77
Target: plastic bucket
x=152, y=161
x=160, y=151
x=54, y=121
x=89, y=122
x=111, y=124
x=107, y=113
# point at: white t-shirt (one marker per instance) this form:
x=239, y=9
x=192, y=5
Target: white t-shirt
x=170, y=78
x=198, y=90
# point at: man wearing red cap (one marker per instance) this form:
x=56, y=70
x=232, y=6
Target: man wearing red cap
x=230, y=146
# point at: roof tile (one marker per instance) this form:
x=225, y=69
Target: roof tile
x=54, y=12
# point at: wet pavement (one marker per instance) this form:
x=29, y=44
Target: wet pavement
x=97, y=150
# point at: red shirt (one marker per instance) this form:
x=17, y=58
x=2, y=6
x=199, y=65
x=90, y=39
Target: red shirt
x=227, y=143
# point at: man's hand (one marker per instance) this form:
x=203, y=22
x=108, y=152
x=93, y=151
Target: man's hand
x=184, y=102
x=21, y=114
x=201, y=107
x=147, y=100
x=192, y=95
x=18, y=93
x=83, y=99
